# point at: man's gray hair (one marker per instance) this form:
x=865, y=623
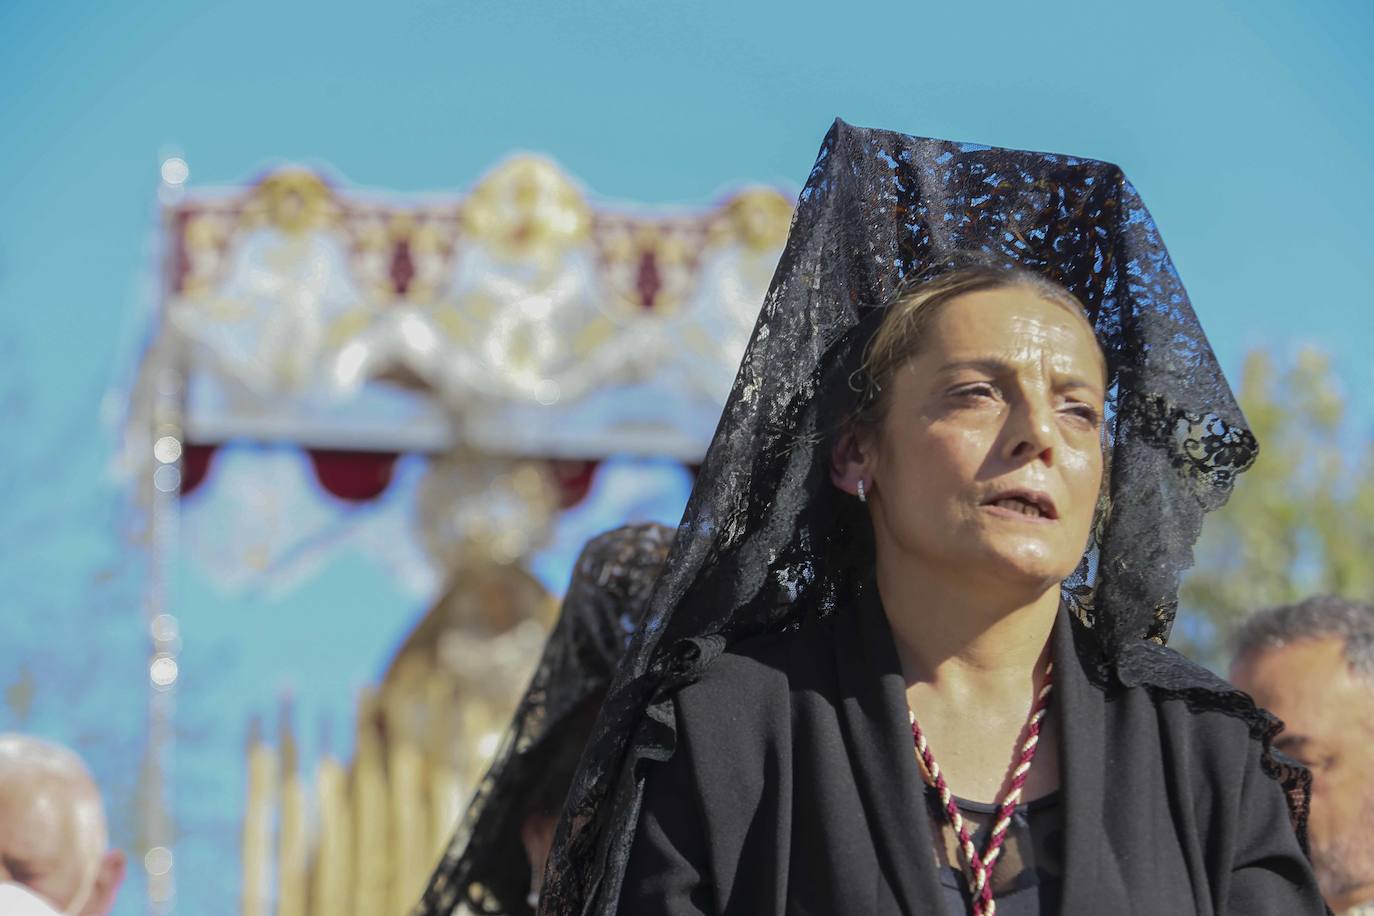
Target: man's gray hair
x=1318, y=617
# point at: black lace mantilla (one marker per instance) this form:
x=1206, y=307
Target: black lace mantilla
x=485, y=869
x=763, y=543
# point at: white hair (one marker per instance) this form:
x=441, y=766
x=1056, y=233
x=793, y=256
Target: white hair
x=24, y=756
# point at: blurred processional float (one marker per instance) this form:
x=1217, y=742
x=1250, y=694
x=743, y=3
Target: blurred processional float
x=507, y=347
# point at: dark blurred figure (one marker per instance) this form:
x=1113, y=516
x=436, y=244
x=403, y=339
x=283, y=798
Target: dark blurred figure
x=1312, y=665
x=54, y=853
x=495, y=864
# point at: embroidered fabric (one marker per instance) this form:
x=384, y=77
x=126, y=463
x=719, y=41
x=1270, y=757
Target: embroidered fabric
x=767, y=541
x=485, y=868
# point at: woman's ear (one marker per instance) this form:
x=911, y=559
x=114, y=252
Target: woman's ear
x=850, y=462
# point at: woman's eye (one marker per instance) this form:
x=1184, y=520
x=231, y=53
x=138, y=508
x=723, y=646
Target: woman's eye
x=1085, y=412
x=980, y=390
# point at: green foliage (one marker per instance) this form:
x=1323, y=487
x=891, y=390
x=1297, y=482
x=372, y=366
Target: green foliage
x=1300, y=522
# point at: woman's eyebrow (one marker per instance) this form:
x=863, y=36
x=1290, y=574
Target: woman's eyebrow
x=1076, y=383
x=994, y=365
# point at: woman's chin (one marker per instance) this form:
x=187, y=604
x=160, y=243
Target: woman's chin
x=1030, y=565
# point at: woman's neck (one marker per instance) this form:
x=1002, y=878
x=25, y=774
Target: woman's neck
x=973, y=665
x=953, y=637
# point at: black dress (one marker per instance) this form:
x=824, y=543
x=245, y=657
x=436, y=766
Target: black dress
x=795, y=789
x=1030, y=868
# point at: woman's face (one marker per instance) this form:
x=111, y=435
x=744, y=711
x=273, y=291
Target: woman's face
x=989, y=458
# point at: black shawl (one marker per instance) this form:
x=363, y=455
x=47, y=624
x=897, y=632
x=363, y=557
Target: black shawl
x=807, y=798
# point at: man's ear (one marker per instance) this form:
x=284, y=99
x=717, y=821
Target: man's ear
x=107, y=882
x=850, y=462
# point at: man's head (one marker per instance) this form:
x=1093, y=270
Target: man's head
x=1312, y=665
x=53, y=837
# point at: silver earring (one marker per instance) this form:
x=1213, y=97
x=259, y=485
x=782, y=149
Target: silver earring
x=863, y=497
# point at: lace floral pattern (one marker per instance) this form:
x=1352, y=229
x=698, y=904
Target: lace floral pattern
x=767, y=541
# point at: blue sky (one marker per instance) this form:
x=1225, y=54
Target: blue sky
x=1246, y=126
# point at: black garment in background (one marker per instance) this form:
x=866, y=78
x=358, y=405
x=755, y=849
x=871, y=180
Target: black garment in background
x=795, y=790
x=485, y=869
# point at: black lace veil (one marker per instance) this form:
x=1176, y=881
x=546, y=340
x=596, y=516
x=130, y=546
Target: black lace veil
x=485, y=869
x=763, y=543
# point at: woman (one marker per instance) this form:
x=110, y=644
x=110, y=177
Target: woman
x=862, y=642
x=496, y=861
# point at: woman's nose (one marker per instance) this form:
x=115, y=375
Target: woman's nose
x=1032, y=431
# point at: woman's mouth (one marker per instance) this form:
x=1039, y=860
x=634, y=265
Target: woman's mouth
x=1024, y=503
x=1019, y=505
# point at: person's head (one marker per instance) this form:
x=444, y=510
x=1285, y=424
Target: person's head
x=978, y=439
x=1312, y=665
x=612, y=581
x=555, y=763
x=53, y=837
x=497, y=860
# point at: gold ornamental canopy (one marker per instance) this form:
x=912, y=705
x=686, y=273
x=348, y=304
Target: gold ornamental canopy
x=539, y=322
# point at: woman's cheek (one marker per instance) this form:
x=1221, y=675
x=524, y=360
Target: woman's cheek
x=1083, y=477
x=966, y=449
